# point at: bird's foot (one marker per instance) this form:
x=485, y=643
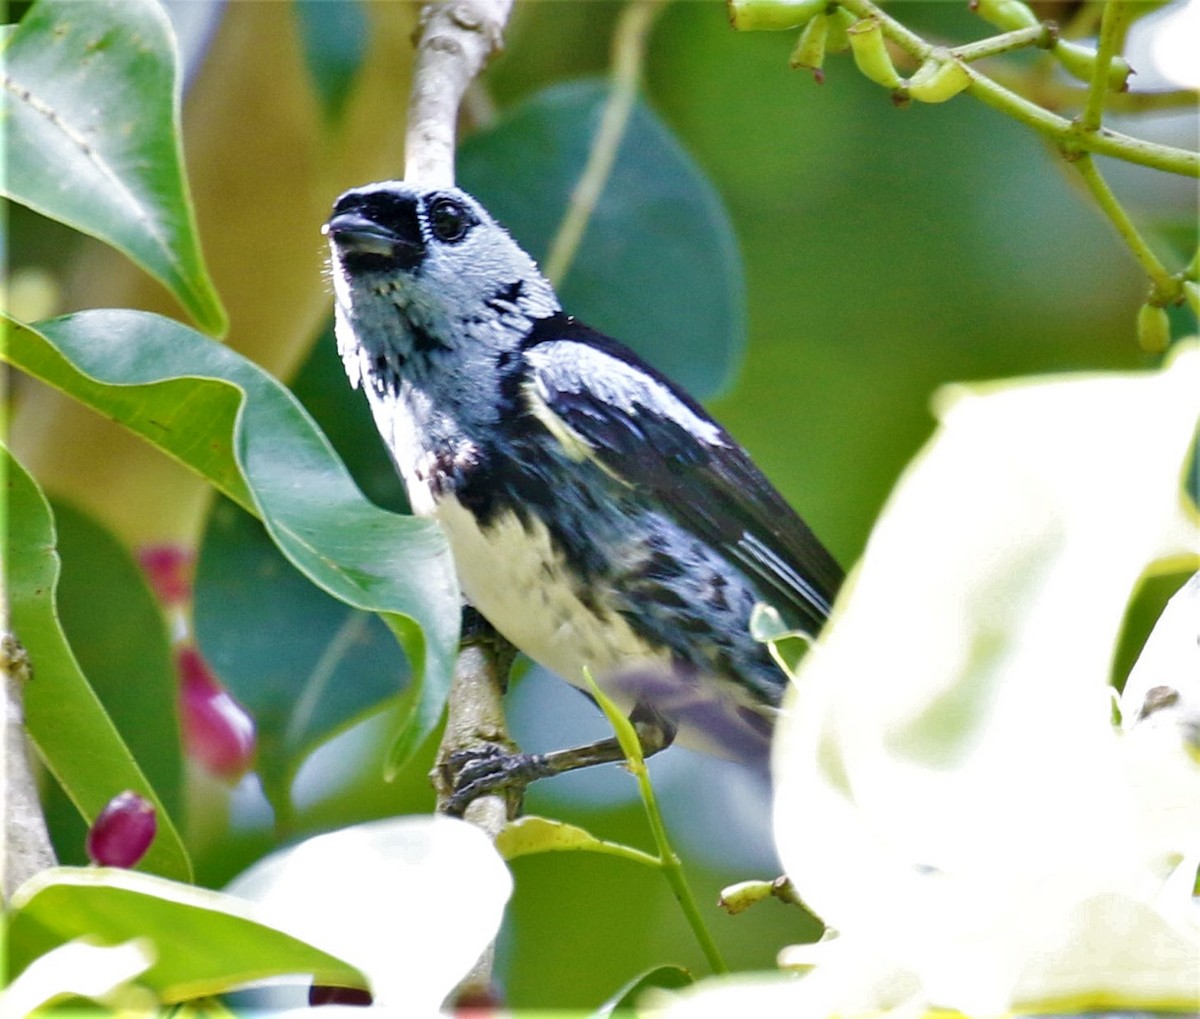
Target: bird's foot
x=490, y=768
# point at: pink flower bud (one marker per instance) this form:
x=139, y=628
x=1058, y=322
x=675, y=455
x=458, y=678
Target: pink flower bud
x=122, y=833
x=217, y=731
x=169, y=570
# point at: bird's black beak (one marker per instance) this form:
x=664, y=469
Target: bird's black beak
x=375, y=231
x=353, y=232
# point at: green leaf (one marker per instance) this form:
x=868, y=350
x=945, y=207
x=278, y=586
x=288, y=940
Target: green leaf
x=343, y=415
x=238, y=427
x=91, y=123
x=335, y=37
x=63, y=716
x=659, y=267
x=787, y=646
x=668, y=978
x=304, y=664
x=532, y=834
x=204, y=942
x=119, y=636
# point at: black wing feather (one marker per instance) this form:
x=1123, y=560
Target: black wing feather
x=711, y=487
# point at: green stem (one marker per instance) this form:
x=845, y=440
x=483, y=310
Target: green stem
x=1114, y=23
x=672, y=869
x=629, y=51
x=1054, y=95
x=1103, y=142
x=1166, y=287
x=997, y=44
x=667, y=860
x=1066, y=133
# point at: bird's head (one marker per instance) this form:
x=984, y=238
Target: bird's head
x=428, y=269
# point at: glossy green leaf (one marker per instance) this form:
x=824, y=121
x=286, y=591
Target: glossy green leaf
x=533, y=834
x=658, y=267
x=204, y=942
x=303, y=663
x=91, y=123
x=64, y=718
x=234, y=424
x=118, y=634
x=343, y=415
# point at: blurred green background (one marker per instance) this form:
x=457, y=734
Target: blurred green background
x=886, y=252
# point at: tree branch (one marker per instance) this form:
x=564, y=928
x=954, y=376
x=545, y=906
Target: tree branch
x=456, y=39
x=27, y=848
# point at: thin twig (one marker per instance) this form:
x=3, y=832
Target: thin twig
x=672, y=869
x=1055, y=94
x=628, y=54
x=456, y=38
x=997, y=44
x=1102, y=143
x=1064, y=132
x=1114, y=23
x=1167, y=289
x=668, y=860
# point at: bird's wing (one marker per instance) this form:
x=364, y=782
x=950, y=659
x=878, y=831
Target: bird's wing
x=606, y=405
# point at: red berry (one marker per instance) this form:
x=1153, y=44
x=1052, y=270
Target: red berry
x=122, y=833
x=169, y=570
x=217, y=731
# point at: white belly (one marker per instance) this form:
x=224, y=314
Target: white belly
x=519, y=583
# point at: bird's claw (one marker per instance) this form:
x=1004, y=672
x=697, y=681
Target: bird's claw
x=489, y=769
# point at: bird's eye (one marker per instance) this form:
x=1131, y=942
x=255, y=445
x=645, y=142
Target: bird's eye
x=449, y=220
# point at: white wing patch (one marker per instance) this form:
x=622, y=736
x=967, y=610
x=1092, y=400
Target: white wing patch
x=565, y=365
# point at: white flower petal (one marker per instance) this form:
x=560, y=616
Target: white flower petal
x=947, y=776
x=412, y=901
x=98, y=972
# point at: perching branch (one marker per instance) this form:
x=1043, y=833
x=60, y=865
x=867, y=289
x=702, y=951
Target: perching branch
x=456, y=39
x=475, y=718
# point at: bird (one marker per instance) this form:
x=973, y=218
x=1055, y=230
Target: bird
x=598, y=517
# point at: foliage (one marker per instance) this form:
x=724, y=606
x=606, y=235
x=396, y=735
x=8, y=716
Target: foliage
x=883, y=253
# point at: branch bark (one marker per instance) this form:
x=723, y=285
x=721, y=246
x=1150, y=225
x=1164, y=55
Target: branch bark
x=456, y=39
x=475, y=718
x=27, y=848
